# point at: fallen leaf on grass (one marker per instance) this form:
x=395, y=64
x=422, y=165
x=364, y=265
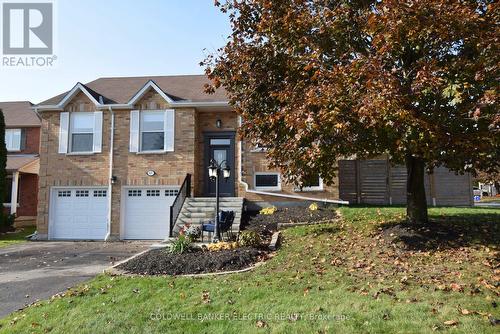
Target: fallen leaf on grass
x=205, y=297
x=451, y=322
x=261, y=324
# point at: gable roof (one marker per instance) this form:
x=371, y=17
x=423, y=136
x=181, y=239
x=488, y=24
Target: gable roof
x=122, y=90
x=19, y=114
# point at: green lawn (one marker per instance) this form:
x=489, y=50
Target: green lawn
x=344, y=277
x=17, y=237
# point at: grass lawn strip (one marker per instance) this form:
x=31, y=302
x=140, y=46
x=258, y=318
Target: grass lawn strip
x=349, y=276
x=19, y=236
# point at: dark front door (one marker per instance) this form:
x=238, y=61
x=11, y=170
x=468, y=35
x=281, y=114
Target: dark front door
x=220, y=147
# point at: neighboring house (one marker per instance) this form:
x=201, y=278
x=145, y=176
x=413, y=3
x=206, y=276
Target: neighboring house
x=22, y=138
x=119, y=155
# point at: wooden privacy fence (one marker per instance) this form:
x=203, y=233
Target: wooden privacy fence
x=379, y=182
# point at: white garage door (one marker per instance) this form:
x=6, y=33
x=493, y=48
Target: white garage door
x=147, y=212
x=79, y=213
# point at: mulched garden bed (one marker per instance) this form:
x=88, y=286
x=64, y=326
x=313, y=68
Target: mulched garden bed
x=266, y=225
x=195, y=261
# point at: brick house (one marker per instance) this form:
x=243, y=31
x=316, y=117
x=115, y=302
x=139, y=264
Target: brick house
x=119, y=157
x=22, y=138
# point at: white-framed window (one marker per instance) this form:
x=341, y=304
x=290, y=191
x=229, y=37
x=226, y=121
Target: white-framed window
x=13, y=139
x=81, y=132
x=152, y=131
x=267, y=181
x=313, y=183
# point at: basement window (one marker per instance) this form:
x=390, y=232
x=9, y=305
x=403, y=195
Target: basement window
x=312, y=183
x=267, y=181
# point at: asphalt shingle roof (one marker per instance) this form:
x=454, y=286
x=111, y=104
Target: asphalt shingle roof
x=19, y=114
x=120, y=90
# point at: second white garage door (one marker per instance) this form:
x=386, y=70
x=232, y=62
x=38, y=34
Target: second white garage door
x=147, y=212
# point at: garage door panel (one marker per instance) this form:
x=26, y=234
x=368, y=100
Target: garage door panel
x=79, y=214
x=147, y=213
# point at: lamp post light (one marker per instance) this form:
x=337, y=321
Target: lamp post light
x=214, y=171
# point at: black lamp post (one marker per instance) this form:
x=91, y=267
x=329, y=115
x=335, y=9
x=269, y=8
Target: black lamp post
x=214, y=170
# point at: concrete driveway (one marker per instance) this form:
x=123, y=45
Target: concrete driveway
x=38, y=270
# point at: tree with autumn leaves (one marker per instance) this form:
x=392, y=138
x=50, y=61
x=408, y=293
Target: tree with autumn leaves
x=316, y=81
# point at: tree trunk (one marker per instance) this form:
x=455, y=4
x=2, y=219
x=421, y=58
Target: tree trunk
x=416, y=203
x=497, y=186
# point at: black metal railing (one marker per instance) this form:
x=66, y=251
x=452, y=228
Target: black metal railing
x=176, y=207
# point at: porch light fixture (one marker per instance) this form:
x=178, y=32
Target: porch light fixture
x=226, y=172
x=214, y=170
x=218, y=124
x=113, y=179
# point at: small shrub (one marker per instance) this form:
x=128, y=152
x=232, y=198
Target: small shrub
x=190, y=232
x=313, y=207
x=180, y=245
x=222, y=246
x=249, y=239
x=268, y=211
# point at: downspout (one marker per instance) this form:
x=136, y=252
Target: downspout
x=110, y=179
x=240, y=180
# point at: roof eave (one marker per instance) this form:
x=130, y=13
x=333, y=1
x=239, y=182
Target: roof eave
x=173, y=104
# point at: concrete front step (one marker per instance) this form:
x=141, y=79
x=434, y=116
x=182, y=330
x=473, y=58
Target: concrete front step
x=212, y=204
x=198, y=210
x=213, y=199
x=204, y=215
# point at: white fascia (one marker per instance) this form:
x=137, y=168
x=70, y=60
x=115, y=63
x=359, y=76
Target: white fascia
x=144, y=89
x=60, y=106
x=78, y=87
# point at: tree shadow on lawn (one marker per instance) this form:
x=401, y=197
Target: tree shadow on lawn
x=445, y=231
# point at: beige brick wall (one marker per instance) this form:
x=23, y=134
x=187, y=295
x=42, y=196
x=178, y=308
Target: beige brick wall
x=130, y=168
